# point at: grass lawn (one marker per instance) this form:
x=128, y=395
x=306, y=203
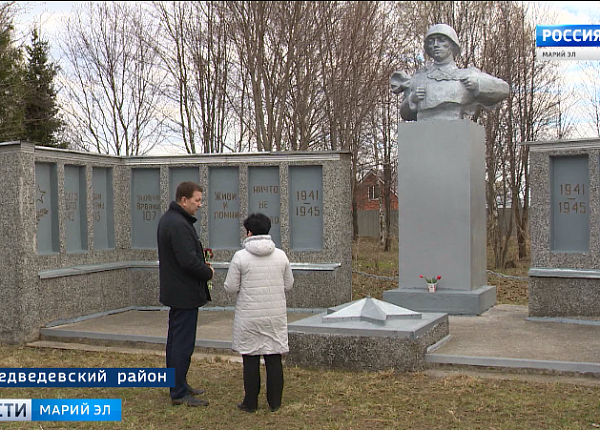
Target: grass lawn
x=319, y=399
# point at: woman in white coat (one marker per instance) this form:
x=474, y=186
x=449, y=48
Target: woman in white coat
x=259, y=274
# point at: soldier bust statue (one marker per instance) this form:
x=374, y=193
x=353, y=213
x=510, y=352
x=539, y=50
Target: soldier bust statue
x=442, y=91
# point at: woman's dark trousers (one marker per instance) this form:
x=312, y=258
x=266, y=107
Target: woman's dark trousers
x=252, y=380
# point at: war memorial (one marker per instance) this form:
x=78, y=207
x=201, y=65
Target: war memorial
x=79, y=229
x=441, y=181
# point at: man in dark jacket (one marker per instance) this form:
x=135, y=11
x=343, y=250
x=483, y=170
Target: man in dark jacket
x=183, y=285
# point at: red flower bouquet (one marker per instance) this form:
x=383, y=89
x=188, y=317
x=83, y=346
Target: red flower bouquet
x=208, y=255
x=431, y=280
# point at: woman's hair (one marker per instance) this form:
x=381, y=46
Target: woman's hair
x=257, y=224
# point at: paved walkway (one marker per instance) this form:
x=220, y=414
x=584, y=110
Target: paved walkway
x=502, y=337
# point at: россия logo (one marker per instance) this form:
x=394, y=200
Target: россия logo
x=567, y=42
x=567, y=35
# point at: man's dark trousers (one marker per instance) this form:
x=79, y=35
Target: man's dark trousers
x=181, y=341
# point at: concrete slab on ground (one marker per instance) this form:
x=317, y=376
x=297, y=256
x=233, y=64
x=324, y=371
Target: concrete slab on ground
x=504, y=331
x=150, y=327
x=502, y=337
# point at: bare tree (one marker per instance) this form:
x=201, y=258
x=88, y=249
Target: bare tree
x=175, y=60
x=266, y=36
x=384, y=145
x=590, y=88
x=532, y=110
x=285, y=57
x=110, y=80
x=303, y=128
x=355, y=73
x=212, y=61
x=193, y=47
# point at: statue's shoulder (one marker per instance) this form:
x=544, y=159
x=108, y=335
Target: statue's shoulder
x=423, y=69
x=474, y=71
x=421, y=73
x=469, y=71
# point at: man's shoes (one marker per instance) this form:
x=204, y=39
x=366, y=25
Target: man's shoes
x=195, y=392
x=189, y=400
x=245, y=408
x=274, y=409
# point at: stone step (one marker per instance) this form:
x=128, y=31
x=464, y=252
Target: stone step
x=76, y=346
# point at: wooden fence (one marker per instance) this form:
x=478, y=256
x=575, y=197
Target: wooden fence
x=368, y=223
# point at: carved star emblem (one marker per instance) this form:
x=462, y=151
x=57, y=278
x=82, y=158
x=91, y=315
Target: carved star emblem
x=41, y=194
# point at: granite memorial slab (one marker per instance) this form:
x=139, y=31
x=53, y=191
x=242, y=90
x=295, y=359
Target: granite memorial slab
x=80, y=228
x=564, y=277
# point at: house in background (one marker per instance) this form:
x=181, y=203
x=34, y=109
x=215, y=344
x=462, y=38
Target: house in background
x=370, y=189
x=369, y=192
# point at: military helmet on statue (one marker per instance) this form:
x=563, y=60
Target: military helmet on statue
x=444, y=30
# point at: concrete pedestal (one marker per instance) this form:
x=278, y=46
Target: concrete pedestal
x=454, y=302
x=366, y=335
x=442, y=218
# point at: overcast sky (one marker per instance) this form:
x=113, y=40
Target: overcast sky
x=576, y=12
x=49, y=13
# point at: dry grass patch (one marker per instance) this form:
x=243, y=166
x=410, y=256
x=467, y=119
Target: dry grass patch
x=318, y=399
x=368, y=257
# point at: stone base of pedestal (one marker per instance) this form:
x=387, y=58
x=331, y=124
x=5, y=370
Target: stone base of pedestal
x=364, y=353
x=367, y=334
x=453, y=302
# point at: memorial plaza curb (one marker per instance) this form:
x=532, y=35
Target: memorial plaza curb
x=503, y=338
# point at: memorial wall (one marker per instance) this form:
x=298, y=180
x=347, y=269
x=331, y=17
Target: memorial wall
x=564, y=278
x=81, y=228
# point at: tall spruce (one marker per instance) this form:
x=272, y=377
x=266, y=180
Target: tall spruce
x=41, y=123
x=11, y=80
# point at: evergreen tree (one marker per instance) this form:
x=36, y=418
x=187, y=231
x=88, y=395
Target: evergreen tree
x=41, y=122
x=11, y=80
